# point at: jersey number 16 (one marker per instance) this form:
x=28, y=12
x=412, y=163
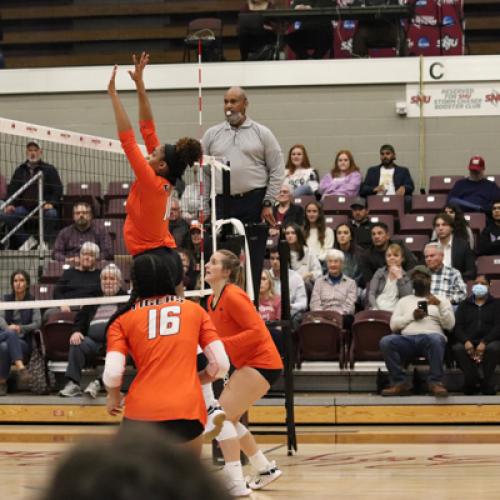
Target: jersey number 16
x=167, y=322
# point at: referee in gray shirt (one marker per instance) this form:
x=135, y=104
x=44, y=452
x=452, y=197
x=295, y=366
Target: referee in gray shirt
x=257, y=172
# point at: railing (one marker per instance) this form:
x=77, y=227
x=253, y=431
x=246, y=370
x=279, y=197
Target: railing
x=39, y=208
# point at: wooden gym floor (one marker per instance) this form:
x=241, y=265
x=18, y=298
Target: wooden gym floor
x=357, y=463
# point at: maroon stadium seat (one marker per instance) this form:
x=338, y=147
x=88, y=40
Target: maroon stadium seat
x=337, y=205
x=89, y=192
x=42, y=291
x=414, y=242
x=56, y=332
x=428, y=203
x=494, y=178
x=3, y=188
x=443, y=183
x=117, y=189
x=116, y=209
x=114, y=228
x=385, y=218
x=304, y=200
x=416, y=224
x=367, y=330
x=52, y=271
x=489, y=265
x=393, y=205
x=333, y=221
x=476, y=221
x=321, y=337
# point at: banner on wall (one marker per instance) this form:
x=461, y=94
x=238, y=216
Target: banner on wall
x=454, y=99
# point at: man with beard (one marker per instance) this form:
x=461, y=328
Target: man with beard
x=420, y=321
x=69, y=241
x=388, y=178
x=257, y=172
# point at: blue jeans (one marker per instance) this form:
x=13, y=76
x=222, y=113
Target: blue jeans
x=466, y=206
x=399, y=350
x=17, y=239
x=12, y=348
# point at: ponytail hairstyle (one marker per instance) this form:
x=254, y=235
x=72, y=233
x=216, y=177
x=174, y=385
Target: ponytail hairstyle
x=151, y=277
x=231, y=262
x=185, y=152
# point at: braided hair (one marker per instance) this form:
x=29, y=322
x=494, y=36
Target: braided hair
x=151, y=277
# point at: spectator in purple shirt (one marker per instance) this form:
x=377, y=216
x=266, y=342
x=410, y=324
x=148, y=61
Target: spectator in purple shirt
x=69, y=241
x=345, y=177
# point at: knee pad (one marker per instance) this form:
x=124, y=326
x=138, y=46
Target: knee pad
x=241, y=430
x=228, y=431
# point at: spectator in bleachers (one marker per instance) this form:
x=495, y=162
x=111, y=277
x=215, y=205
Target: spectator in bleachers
x=16, y=328
x=360, y=223
x=82, y=280
x=446, y=281
x=286, y=211
x=388, y=178
x=344, y=178
x=190, y=198
x=191, y=276
x=178, y=226
x=296, y=287
x=319, y=238
x=310, y=38
x=477, y=329
x=71, y=238
x=353, y=255
x=420, y=320
x=461, y=228
x=257, y=39
x=88, y=336
x=457, y=252
x=28, y=200
x=302, y=258
x=299, y=175
x=475, y=193
x=334, y=291
x=391, y=282
x=375, y=255
x=489, y=239
x=195, y=244
x=269, y=302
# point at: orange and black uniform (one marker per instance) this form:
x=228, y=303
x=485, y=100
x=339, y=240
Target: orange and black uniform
x=148, y=203
x=162, y=335
x=243, y=332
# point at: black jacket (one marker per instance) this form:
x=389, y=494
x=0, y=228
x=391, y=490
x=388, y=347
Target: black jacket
x=362, y=233
x=401, y=177
x=52, y=185
x=489, y=240
x=476, y=323
x=75, y=284
x=294, y=214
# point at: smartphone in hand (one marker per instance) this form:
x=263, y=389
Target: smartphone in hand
x=422, y=305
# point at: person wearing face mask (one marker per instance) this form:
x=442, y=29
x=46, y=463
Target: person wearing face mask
x=419, y=322
x=477, y=330
x=257, y=173
x=88, y=335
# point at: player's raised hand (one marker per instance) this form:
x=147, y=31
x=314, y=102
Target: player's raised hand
x=111, y=84
x=139, y=65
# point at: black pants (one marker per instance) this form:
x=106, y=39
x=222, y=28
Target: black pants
x=470, y=369
x=79, y=356
x=247, y=209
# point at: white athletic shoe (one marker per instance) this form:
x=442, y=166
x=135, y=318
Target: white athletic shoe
x=238, y=488
x=70, y=390
x=93, y=389
x=266, y=477
x=216, y=417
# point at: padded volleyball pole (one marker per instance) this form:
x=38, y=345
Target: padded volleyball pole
x=284, y=252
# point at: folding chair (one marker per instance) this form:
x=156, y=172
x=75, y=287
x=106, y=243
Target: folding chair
x=56, y=332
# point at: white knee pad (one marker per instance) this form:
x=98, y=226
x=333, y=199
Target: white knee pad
x=228, y=431
x=241, y=430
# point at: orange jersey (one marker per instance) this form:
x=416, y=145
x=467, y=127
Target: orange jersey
x=243, y=332
x=148, y=203
x=162, y=334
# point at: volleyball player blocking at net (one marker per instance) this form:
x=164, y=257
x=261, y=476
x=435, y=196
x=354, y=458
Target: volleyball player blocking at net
x=148, y=204
x=257, y=366
x=161, y=333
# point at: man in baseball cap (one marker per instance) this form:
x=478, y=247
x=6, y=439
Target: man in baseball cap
x=360, y=222
x=474, y=193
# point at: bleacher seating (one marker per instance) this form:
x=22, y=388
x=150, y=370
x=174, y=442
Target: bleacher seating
x=427, y=203
x=416, y=224
x=89, y=192
x=304, y=200
x=337, y=205
x=42, y=291
x=52, y=271
x=476, y=221
x=489, y=265
x=334, y=221
x=114, y=227
x=385, y=218
x=442, y=183
x=116, y=208
x=393, y=205
x=414, y=242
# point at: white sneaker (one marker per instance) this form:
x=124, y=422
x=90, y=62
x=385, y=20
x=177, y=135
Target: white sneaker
x=93, y=388
x=238, y=488
x=70, y=390
x=262, y=479
x=215, y=420
x=30, y=243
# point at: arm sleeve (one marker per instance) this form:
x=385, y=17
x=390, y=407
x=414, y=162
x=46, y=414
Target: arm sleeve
x=54, y=187
x=372, y=288
x=446, y=314
x=36, y=321
x=460, y=331
x=143, y=171
x=315, y=303
x=60, y=245
x=114, y=367
x=315, y=266
x=274, y=163
x=408, y=182
x=370, y=182
x=458, y=289
x=148, y=132
x=243, y=313
x=298, y=301
x=400, y=319
x=105, y=244
x=329, y=238
x=83, y=318
x=218, y=362
x=352, y=184
x=324, y=184
x=116, y=339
